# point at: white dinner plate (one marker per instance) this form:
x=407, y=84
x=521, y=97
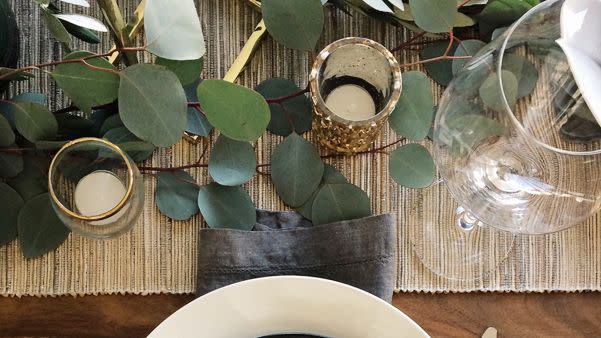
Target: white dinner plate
x=288, y=304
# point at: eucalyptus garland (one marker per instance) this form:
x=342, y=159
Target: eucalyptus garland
x=144, y=106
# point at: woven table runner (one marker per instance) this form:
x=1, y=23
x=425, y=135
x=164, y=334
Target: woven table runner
x=159, y=254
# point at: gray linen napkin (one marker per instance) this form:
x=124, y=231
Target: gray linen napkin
x=358, y=252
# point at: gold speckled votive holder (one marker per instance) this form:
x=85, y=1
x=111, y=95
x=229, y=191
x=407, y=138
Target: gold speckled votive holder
x=362, y=62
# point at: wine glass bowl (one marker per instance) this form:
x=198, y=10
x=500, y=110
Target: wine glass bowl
x=506, y=137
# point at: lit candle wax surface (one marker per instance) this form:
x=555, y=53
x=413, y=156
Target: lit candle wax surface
x=98, y=193
x=351, y=102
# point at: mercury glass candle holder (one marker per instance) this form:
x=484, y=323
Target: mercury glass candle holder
x=355, y=84
x=96, y=188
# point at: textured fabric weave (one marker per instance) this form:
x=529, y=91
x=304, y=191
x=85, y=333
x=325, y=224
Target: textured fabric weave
x=160, y=255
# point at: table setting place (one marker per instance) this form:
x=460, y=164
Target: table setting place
x=294, y=163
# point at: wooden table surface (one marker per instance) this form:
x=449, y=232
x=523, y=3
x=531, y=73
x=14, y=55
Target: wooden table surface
x=441, y=315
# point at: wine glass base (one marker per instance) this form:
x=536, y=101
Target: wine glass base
x=449, y=241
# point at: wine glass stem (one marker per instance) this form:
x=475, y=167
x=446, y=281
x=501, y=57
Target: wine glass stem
x=466, y=221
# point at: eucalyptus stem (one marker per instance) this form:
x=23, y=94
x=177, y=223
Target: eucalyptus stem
x=198, y=164
x=113, y=16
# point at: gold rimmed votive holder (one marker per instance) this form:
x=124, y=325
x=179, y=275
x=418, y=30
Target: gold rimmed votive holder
x=355, y=84
x=95, y=188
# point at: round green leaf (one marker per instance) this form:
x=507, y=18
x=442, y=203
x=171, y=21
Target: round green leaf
x=440, y=71
x=499, y=13
x=412, y=115
x=226, y=207
x=34, y=121
x=338, y=202
x=434, y=16
x=238, y=112
x=55, y=27
x=152, y=104
x=10, y=204
x=412, y=166
x=111, y=122
x=10, y=164
x=232, y=162
x=295, y=112
x=331, y=175
x=295, y=24
x=490, y=90
x=87, y=87
x=466, y=48
x=122, y=135
x=524, y=71
x=296, y=170
x=7, y=136
x=187, y=71
x=177, y=195
x=462, y=20
x=33, y=180
x=197, y=122
x=40, y=230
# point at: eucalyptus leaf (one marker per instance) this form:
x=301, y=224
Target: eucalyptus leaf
x=11, y=164
x=83, y=21
x=33, y=180
x=440, y=71
x=378, y=5
x=331, y=175
x=49, y=145
x=152, y=104
x=412, y=116
x=524, y=71
x=81, y=33
x=177, y=195
x=187, y=71
x=295, y=112
x=7, y=136
x=87, y=87
x=238, y=112
x=499, y=13
x=226, y=207
x=83, y=3
x=40, y=230
x=20, y=76
x=173, y=30
x=122, y=136
x=232, y=162
x=34, y=121
x=10, y=205
x=55, y=27
x=296, y=170
x=7, y=108
x=491, y=94
x=465, y=131
x=466, y=48
x=338, y=202
x=295, y=24
x=111, y=122
x=434, y=16
x=197, y=123
x=412, y=166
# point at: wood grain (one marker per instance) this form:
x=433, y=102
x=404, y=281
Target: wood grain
x=441, y=315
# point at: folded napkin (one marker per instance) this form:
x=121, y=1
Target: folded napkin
x=358, y=252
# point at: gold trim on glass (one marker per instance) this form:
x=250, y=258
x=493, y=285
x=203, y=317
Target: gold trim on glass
x=337, y=133
x=113, y=211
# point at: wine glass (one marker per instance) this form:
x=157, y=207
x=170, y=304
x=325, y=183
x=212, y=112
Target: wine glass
x=517, y=148
x=95, y=188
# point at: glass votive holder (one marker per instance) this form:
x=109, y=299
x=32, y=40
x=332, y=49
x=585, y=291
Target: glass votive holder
x=355, y=84
x=95, y=188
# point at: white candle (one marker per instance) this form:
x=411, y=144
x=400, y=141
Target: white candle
x=98, y=193
x=351, y=102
